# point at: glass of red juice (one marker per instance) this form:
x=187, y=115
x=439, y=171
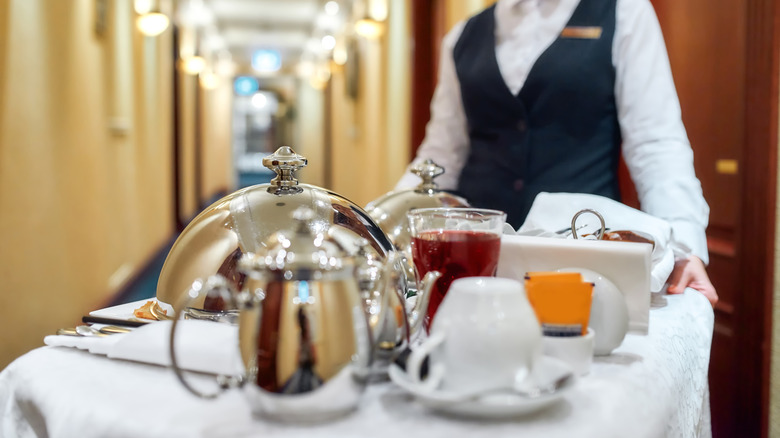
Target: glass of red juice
x=458, y=242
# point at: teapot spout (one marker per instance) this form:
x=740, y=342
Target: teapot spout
x=420, y=309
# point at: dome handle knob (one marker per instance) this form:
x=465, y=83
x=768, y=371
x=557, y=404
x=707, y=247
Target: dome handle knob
x=285, y=162
x=427, y=170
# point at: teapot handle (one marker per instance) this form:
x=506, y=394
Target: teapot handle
x=214, y=284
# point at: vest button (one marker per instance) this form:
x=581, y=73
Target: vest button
x=521, y=126
x=518, y=185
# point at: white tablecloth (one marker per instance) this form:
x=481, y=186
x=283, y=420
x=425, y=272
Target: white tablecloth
x=652, y=386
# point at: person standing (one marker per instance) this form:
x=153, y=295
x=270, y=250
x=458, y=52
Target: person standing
x=545, y=95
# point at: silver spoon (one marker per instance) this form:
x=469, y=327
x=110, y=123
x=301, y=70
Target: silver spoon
x=563, y=382
x=85, y=330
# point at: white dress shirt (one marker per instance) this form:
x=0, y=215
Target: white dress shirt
x=655, y=144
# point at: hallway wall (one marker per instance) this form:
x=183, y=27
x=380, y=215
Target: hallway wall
x=370, y=132
x=216, y=116
x=85, y=159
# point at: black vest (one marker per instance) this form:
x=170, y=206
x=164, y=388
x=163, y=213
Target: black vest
x=559, y=134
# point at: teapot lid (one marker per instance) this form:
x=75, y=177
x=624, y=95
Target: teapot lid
x=305, y=251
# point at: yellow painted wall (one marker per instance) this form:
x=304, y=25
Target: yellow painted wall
x=216, y=124
x=358, y=139
x=85, y=161
x=370, y=135
x=461, y=9
x=309, y=135
x=188, y=202
x=399, y=94
x=343, y=137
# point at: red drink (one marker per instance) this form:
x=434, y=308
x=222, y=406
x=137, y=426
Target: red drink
x=455, y=254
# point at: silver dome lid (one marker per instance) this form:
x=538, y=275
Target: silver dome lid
x=243, y=221
x=389, y=210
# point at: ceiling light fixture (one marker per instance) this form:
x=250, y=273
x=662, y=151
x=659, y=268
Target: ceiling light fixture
x=328, y=42
x=259, y=100
x=142, y=6
x=152, y=23
x=340, y=55
x=332, y=7
x=245, y=85
x=209, y=80
x=377, y=9
x=266, y=61
x=193, y=64
x=369, y=28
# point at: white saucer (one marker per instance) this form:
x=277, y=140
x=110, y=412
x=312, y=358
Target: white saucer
x=491, y=406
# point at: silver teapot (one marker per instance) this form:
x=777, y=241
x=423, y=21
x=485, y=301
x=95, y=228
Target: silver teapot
x=313, y=319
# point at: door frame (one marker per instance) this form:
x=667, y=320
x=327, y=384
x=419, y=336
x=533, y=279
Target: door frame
x=757, y=227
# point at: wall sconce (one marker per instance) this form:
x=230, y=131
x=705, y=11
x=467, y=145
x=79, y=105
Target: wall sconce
x=193, y=64
x=209, y=80
x=369, y=28
x=152, y=23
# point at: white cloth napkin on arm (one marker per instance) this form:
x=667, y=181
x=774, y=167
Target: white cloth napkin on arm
x=552, y=212
x=203, y=346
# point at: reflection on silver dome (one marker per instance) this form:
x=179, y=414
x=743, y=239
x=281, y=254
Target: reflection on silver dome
x=240, y=222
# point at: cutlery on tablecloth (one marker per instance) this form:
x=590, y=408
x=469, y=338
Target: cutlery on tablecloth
x=85, y=330
x=113, y=321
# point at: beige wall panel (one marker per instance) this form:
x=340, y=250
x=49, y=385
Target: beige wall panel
x=398, y=119
x=71, y=203
x=42, y=161
x=216, y=119
x=154, y=138
x=310, y=133
x=370, y=135
x=462, y=9
x=122, y=168
x=344, y=132
x=188, y=206
x=373, y=85
x=358, y=131
x=5, y=6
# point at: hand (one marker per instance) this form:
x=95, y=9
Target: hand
x=691, y=273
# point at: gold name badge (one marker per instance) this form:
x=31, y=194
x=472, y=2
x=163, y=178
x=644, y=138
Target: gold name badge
x=582, y=32
x=727, y=167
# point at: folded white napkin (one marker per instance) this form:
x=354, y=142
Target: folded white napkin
x=552, y=212
x=202, y=346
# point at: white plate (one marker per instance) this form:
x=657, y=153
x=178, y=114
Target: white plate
x=492, y=406
x=125, y=311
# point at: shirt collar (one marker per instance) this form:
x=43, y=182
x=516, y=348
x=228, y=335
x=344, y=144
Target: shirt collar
x=512, y=5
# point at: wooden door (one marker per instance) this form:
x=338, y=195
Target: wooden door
x=724, y=61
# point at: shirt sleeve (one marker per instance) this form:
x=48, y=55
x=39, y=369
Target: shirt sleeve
x=655, y=145
x=446, y=136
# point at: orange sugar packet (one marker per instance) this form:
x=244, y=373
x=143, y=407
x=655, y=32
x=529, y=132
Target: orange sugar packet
x=561, y=301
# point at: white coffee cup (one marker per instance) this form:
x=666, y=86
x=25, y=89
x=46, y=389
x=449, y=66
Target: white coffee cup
x=485, y=335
